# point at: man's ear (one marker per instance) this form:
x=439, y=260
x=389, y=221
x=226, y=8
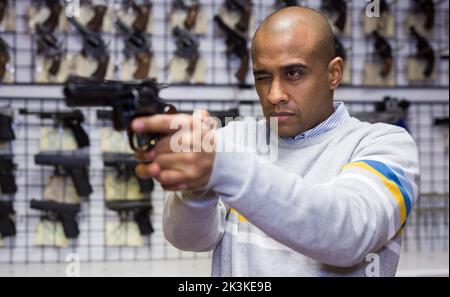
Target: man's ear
x=335, y=72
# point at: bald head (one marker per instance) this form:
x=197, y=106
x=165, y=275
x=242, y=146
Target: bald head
x=299, y=24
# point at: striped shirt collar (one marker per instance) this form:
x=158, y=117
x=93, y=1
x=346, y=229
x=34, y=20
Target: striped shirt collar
x=339, y=116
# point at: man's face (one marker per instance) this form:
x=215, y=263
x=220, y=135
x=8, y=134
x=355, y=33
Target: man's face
x=291, y=81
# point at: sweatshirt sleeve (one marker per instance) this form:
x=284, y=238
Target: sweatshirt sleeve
x=193, y=224
x=339, y=222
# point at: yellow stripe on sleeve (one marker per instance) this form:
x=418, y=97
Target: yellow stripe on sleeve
x=390, y=185
x=240, y=217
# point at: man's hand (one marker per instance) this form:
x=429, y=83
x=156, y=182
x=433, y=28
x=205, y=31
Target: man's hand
x=184, y=158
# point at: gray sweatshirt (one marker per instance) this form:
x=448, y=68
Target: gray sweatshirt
x=329, y=205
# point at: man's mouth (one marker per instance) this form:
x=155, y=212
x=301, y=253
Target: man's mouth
x=282, y=116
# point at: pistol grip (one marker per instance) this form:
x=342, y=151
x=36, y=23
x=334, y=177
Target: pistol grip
x=4, y=59
x=241, y=74
x=70, y=226
x=429, y=67
x=191, y=18
x=8, y=184
x=102, y=68
x=341, y=20
x=52, y=22
x=145, y=185
x=80, y=135
x=144, y=61
x=141, y=21
x=192, y=65
x=386, y=68
x=142, y=219
x=96, y=23
x=3, y=7
x=243, y=23
x=81, y=181
x=56, y=64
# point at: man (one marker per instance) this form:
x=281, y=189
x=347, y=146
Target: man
x=335, y=200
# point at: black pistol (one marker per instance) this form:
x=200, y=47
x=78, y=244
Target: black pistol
x=69, y=119
x=7, y=179
x=75, y=166
x=424, y=52
x=61, y=212
x=187, y=47
x=125, y=165
x=6, y=130
x=140, y=211
x=138, y=46
x=94, y=47
x=129, y=100
x=384, y=51
x=236, y=45
x=7, y=219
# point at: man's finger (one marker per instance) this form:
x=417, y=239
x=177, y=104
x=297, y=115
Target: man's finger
x=175, y=188
x=178, y=161
x=146, y=171
x=163, y=145
x=161, y=123
x=171, y=178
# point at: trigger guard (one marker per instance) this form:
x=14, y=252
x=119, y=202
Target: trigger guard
x=143, y=143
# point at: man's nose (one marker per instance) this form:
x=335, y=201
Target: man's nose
x=276, y=93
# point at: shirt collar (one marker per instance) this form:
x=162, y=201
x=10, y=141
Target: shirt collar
x=339, y=116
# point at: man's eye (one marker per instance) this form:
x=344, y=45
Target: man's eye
x=292, y=74
x=261, y=77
